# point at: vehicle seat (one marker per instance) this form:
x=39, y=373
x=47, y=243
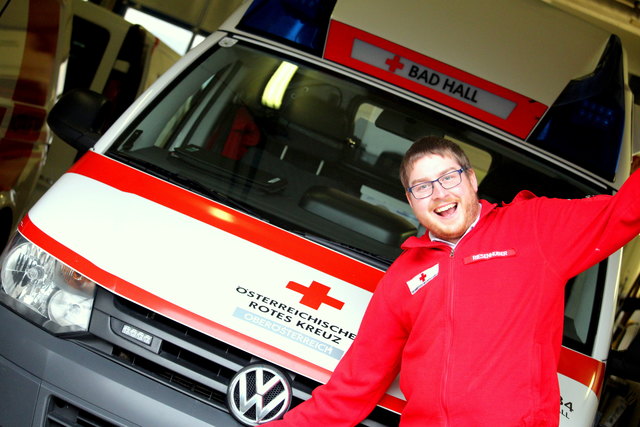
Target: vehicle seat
x=315, y=127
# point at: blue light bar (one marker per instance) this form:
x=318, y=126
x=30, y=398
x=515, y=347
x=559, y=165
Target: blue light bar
x=585, y=125
x=299, y=23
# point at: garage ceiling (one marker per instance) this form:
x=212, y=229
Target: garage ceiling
x=621, y=17
x=200, y=14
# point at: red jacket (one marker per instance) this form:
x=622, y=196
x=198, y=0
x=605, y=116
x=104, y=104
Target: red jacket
x=480, y=337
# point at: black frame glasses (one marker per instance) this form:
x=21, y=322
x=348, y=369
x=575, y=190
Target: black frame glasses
x=422, y=190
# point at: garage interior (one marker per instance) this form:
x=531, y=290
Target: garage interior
x=181, y=25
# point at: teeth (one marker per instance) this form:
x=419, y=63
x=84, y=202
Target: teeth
x=445, y=207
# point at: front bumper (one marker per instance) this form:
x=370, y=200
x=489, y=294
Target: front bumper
x=43, y=378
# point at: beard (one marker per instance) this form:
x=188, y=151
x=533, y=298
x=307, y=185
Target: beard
x=452, y=230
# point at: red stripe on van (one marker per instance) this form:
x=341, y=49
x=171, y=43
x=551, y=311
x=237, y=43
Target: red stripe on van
x=125, y=178
x=131, y=292
x=583, y=369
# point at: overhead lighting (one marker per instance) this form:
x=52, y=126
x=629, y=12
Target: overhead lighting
x=277, y=85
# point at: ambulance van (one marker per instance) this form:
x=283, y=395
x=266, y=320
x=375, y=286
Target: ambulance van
x=209, y=259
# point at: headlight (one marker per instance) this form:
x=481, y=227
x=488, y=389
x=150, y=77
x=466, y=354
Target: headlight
x=44, y=290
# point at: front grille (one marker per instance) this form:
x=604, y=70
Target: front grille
x=61, y=413
x=180, y=357
x=168, y=376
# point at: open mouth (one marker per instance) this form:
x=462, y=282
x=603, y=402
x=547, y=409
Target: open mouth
x=447, y=210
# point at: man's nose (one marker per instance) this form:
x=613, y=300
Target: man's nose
x=438, y=190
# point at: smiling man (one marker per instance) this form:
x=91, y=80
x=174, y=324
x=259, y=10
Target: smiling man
x=448, y=205
x=471, y=313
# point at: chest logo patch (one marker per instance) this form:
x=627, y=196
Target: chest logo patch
x=489, y=255
x=423, y=278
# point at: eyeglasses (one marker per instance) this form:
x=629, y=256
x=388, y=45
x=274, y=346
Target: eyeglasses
x=449, y=180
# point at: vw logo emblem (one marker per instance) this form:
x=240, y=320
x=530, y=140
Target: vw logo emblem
x=258, y=393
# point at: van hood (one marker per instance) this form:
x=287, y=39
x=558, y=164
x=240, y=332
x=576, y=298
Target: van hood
x=198, y=262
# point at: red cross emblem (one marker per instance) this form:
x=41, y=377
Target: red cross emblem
x=394, y=64
x=423, y=277
x=315, y=295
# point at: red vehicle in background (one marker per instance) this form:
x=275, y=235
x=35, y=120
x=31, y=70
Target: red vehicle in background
x=48, y=48
x=32, y=42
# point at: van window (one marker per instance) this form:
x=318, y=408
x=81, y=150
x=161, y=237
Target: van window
x=582, y=306
x=315, y=153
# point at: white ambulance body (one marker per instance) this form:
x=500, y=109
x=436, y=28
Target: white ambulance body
x=226, y=233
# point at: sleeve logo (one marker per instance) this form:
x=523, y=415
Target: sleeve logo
x=423, y=278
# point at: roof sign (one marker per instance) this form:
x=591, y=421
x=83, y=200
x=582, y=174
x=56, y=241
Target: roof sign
x=433, y=79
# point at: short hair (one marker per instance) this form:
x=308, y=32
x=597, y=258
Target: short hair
x=430, y=145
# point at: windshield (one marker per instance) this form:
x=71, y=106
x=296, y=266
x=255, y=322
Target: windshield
x=316, y=153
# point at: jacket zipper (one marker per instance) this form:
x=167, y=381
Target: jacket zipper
x=445, y=379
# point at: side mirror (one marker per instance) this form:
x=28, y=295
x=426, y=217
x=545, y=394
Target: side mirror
x=78, y=117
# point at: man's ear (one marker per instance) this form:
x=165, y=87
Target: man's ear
x=409, y=198
x=473, y=179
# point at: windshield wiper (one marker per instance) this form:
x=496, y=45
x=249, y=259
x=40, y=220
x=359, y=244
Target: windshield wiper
x=187, y=183
x=183, y=181
x=367, y=257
